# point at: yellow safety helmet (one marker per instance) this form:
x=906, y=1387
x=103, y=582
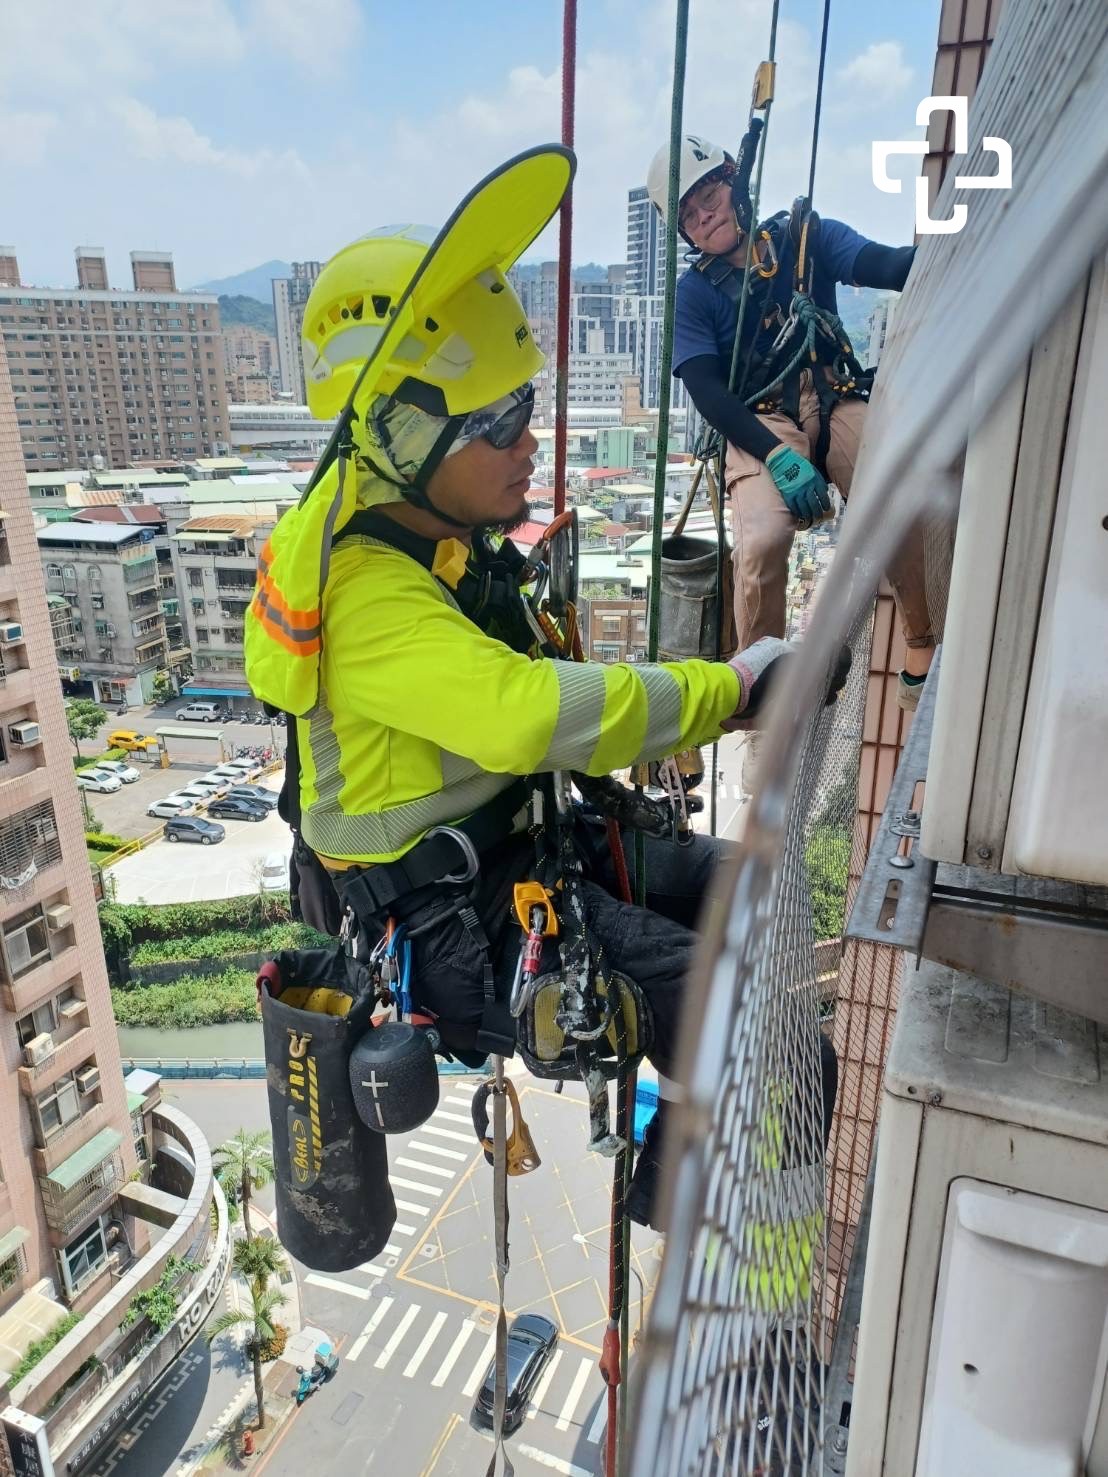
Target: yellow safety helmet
x=473, y=348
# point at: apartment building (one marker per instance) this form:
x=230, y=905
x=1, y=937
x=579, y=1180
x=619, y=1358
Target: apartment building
x=69, y=1141
x=290, y=296
x=216, y=556
x=104, y=377
x=108, y=576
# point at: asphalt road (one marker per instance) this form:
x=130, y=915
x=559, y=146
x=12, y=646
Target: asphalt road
x=413, y=1326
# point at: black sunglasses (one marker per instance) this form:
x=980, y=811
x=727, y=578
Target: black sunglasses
x=508, y=428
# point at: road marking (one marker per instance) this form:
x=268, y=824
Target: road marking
x=409, y=1205
x=336, y=1286
x=371, y=1269
x=446, y=1174
x=477, y=1373
x=543, y=1385
x=389, y=1249
x=424, y=1345
x=596, y=1430
x=584, y=1369
x=465, y=1118
x=567, y=1469
x=448, y=1431
x=369, y=1330
x=452, y=1355
x=395, y=1179
x=420, y=1148
x=399, y=1229
x=448, y=1133
x=398, y=1333
x=470, y=1087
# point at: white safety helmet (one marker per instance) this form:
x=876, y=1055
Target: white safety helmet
x=699, y=158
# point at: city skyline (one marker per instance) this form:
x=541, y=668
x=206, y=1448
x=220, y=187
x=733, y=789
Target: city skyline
x=229, y=138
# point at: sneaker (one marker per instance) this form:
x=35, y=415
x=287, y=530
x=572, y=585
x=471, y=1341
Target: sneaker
x=642, y=1196
x=908, y=689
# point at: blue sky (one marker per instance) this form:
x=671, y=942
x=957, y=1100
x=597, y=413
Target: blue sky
x=232, y=131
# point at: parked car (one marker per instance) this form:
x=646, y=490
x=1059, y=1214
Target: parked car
x=95, y=778
x=131, y=741
x=232, y=808
x=171, y=805
x=256, y=794
x=531, y=1341
x=220, y=783
x=275, y=872
x=245, y=767
x=193, y=828
x=199, y=713
x=232, y=773
x=127, y=773
x=197, y=792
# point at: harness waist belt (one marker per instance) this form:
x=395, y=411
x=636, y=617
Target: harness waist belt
x=437, y=858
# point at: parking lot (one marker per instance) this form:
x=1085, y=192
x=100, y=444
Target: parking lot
x=177, y=872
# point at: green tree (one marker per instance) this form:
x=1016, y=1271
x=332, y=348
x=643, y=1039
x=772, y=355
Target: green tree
x=162, y=689
x=258, y=1260
x=85, y=719
x=244, y=1164
x=263, y=1328
x=827, y=858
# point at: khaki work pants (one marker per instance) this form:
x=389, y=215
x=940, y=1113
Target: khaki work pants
x=763, y=527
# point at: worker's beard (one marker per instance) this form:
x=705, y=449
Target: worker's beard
x=517, y=520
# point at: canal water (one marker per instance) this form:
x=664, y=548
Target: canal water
x=236, y=1040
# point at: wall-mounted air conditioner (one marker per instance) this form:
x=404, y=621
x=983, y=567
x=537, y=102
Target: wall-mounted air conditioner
x=58, y=917
x=24, y=735
x=88, y=1080
x=10, y=633
x=38, y=1049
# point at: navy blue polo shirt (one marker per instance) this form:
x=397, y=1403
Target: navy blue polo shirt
x=706, y=316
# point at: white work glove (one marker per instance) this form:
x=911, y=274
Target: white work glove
x=761, y=665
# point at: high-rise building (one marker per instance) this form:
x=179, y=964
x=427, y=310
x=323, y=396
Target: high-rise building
x=646, y=245
x=290, y=295
x=105, y=377
x=68, y=1142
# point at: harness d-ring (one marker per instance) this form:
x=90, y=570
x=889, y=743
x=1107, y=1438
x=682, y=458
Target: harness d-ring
x=468, y=850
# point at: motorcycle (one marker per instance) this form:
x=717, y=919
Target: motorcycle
x=325, y=1364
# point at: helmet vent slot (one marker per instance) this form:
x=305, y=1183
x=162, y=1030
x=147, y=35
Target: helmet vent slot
x=381, y=304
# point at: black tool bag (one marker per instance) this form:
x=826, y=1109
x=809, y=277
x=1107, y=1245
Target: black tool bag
x=335, y=1208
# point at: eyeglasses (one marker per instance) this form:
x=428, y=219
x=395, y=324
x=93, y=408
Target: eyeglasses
x=506, y=430
x=694, y=207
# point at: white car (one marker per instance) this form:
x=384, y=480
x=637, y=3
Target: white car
x=244, y=766
x=95, y=778
x=171, y=805
x=230, y=773
x=124, y=772
x=197, y=792
x=220, y=783
x=275, y=872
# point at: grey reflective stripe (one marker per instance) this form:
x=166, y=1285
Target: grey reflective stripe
x=334, y=832
x=663, y=714
x=581, y=694
x=274, y=617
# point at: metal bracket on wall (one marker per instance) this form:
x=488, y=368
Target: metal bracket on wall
x=1038, y=935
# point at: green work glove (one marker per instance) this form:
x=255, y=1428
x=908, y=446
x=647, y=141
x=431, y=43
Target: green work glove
x=802, y=489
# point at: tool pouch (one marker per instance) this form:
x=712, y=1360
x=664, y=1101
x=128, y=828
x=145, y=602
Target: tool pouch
x=691, y=604
x=335, y=1207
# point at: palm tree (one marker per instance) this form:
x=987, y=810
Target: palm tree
x=244, y=1163
x=260, y=1320
x=258, y=1261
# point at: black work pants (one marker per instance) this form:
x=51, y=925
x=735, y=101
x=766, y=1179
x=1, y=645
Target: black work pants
x=652, y=945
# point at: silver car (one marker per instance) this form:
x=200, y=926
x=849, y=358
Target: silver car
x=123, y=772
x=171, y=805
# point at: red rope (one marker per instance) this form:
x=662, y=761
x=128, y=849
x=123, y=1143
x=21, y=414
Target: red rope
x=565, y=259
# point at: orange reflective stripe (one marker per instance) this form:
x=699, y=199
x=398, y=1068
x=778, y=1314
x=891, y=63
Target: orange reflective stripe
x=300, y=640
x=307, y=620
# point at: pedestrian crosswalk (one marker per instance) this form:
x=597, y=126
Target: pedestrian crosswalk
x=449, y=1350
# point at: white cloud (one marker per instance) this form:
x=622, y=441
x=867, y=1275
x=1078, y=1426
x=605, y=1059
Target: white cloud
x=175, y=140
x=24, y=137
x=877, y=74
x=317, y=36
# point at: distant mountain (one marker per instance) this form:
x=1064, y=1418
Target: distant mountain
x=247, y=311
x=254, y=283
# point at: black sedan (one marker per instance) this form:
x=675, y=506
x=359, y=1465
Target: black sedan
x=255, y=794
x=234, y=808
x=531, y=1341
